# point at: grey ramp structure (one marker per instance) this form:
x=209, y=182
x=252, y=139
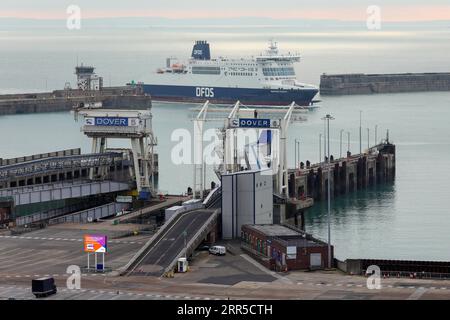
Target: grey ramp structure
x=188, y=228
x=247, y=198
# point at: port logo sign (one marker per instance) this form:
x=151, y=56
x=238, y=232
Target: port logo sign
x=95, y=243
x=252, y=123
x=111, y=122
x=204, y=92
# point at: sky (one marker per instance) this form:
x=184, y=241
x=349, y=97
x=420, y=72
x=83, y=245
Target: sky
x=347, y=10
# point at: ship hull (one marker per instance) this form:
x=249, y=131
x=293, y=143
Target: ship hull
x=221, y=95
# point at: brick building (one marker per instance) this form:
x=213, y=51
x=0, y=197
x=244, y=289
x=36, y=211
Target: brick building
x=281, y=247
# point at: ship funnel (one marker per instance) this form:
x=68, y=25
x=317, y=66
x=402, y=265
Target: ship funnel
x=201, y=51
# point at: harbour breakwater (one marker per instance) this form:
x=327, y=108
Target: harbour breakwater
x=65, y=100
x=360, y=83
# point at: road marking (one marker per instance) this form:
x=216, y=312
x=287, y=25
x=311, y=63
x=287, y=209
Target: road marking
x=260, y=267
x=417, y=294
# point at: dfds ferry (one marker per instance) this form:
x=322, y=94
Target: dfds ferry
x=268, y=79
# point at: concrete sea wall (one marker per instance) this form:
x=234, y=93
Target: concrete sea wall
x=359, y=83
x=65, y=100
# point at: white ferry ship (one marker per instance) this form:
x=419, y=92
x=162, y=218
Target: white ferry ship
x=267, y=79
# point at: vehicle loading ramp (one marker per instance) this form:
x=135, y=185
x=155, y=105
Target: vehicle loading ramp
x=180, y=236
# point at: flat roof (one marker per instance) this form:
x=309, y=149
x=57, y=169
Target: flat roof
x=288, y=236
x=274, y=230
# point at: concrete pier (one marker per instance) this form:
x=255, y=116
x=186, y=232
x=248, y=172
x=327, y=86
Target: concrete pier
x=65, y=100
x=354, y=172
x=360, y=83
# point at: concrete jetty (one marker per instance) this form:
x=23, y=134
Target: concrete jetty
x=360, y=83
x=348, y=174
x=65, y=100
x=308, y=184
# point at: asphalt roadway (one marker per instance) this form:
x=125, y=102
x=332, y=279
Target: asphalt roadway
x=160, y=255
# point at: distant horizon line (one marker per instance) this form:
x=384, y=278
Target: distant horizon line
x=221, y=19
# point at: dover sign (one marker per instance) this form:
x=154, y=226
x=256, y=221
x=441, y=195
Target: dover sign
x=253, y=123
x=111, y=122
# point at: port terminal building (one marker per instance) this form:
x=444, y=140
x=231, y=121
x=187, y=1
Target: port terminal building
x=283, y=247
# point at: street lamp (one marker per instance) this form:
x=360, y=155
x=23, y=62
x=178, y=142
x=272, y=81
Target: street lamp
x=185, y=246
x=360, y=131
x=376, y=134
x=298, y=153
x=328, y=118
x=340, y=143
x=368, y=138
x=348, y=141
x=320, y=148
x=295, y=154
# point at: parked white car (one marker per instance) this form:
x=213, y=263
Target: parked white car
x=218, y=250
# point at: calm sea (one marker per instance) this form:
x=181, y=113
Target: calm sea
x=408, y=219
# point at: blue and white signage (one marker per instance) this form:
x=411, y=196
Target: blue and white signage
x=111, y=121
x=253, y=123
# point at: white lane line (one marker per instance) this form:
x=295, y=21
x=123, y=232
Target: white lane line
x=260, y=267
x=417, y=294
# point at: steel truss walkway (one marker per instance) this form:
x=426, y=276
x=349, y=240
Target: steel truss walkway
x=49, y=165
x=61, y=191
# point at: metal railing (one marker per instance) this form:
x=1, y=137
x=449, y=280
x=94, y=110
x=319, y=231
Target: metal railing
x=195, y=241
x=92, y=214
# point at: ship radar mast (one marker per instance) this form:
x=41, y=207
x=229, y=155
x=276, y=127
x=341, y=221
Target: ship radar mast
x=273, y=47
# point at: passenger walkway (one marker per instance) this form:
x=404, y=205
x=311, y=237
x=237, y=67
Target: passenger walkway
x=61, y=191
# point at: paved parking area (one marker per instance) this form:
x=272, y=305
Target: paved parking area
x=50, y=251
x=24, y=293
x=223, y=270
x=234, y=276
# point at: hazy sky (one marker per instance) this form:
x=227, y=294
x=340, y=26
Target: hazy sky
x=392, y=10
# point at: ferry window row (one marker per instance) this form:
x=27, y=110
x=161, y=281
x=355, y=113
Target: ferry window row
x=206, y=70
x=278, y=71
x=247, y=74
